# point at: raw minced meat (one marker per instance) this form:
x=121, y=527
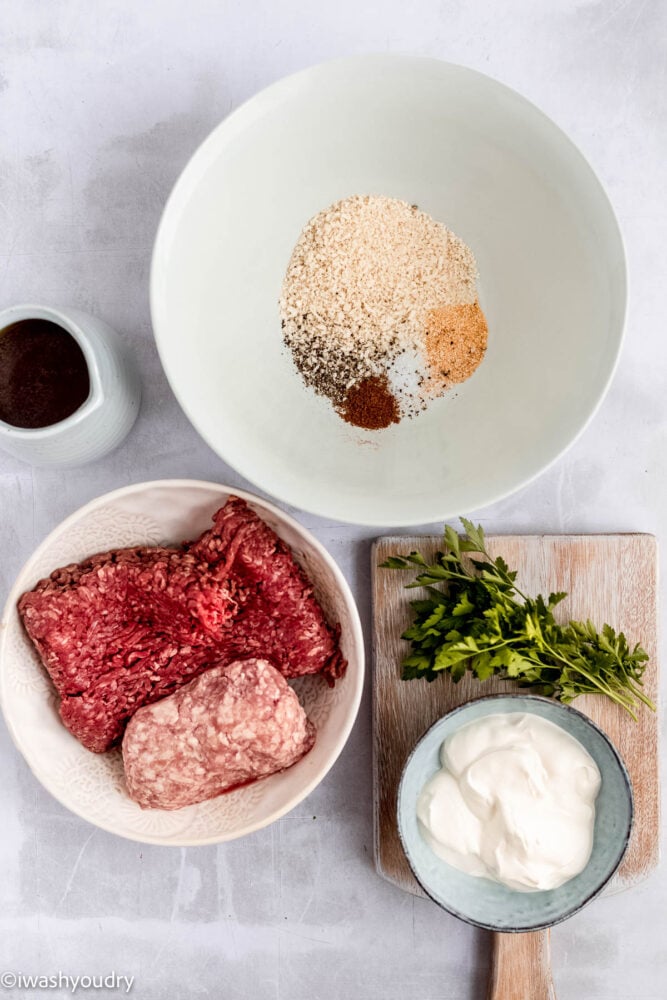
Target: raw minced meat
x=233, y=724
x=126, y=628
x=278, y=615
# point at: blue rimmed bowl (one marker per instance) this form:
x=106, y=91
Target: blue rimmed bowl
x=481, y=901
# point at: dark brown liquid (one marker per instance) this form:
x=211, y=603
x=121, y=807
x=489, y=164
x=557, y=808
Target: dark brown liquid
x=43, y=374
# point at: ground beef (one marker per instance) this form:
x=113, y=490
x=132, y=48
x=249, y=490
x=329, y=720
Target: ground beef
x=277, y=616
x=235, y=723
x=126, y=628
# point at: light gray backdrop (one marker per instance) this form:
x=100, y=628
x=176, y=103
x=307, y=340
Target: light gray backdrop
x=101, y=104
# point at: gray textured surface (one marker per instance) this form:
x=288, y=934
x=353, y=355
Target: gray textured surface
x=101, y=104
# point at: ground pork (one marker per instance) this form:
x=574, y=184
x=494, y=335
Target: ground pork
x=233, y=724
x=126, y=628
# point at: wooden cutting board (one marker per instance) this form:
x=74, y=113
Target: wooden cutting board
x=609, y=578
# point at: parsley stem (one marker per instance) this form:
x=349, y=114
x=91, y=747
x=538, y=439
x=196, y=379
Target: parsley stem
x=600, y=685
x=470, y=614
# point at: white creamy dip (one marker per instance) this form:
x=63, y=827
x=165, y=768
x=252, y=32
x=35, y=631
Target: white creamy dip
x=514, y=802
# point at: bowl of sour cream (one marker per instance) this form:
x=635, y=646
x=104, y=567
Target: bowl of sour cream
x=514, y=812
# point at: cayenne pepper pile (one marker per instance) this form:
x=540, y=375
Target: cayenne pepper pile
x=370, y=404
x=379, y=309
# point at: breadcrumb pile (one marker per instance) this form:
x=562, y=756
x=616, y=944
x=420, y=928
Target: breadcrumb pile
x=377, y=289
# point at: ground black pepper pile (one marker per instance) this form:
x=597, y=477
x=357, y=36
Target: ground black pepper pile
x=364, y=276
x=327, y=368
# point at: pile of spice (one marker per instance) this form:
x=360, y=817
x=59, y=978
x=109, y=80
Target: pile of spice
x=379, y=309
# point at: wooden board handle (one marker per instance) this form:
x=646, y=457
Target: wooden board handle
x=521, y=967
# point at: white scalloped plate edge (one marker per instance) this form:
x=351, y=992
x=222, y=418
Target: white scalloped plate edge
x=97, y=795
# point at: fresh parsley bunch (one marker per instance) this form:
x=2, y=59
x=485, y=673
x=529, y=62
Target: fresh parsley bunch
x=477, y=619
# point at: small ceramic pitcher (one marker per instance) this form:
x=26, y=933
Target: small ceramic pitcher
x=106, y=416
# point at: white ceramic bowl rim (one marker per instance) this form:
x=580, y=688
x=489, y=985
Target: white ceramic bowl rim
x=235, y=122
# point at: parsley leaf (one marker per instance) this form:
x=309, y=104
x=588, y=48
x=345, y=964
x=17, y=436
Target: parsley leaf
x=475, y=618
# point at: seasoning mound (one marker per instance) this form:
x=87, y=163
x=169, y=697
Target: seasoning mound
x=379, y=309
x=455, y=344
x=370, y=404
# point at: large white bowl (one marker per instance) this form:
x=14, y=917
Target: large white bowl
x=93, y=785
x=476, y=156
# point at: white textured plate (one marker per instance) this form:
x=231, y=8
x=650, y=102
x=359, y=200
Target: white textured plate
x=92, y=785
x=476, y=156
